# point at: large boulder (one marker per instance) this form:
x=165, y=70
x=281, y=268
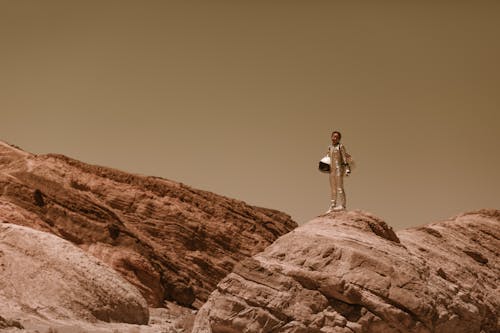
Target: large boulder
x=44, y=276
x=349, y=272
x=173, y=242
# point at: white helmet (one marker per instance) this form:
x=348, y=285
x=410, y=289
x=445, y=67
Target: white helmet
x=324, y=164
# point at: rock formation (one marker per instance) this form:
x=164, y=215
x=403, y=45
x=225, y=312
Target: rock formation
x=44, y=276
x=171, y=241
x=349, y=272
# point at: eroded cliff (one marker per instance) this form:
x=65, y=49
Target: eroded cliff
x=171, y=241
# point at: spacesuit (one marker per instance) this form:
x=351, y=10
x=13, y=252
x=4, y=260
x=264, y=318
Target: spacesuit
x=338, y=168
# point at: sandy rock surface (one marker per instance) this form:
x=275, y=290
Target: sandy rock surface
x=349, y=272
x=172, y=242
x=44, y=276
x=170, y=319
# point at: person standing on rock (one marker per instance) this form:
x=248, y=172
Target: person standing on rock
x=339, y=166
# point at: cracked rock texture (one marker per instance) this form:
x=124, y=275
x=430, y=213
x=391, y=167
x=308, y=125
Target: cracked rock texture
x=172, y=242
x=44, y=276
x=349, y=272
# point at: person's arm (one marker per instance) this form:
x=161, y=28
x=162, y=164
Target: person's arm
x=344, y=154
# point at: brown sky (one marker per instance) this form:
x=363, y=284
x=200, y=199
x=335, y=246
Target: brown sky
x=240, y=97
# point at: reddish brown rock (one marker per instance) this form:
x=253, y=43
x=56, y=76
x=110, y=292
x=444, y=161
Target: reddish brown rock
x=349, y=272
x=171, y=241
x=44, y=276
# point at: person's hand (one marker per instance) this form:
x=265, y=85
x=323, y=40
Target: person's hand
x=347, y=172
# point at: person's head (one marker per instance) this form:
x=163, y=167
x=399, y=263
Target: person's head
x=336, y=136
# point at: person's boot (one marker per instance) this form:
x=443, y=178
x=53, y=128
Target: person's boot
x=332, y=206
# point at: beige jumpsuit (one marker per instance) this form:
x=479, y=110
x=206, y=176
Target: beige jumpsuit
x=338, y=168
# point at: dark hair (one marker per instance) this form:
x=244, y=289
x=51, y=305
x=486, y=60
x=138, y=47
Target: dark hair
x=340, y=135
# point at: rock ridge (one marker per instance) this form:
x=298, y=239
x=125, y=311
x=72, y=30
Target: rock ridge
x=350, y=272
x=171, y=241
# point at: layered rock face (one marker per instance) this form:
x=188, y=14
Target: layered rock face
x=44, y=276
x=171, y=241
x=349, y=272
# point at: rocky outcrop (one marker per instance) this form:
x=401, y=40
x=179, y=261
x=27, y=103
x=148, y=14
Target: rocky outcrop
x=169, y=240
x=44, y=276
x=349, y=272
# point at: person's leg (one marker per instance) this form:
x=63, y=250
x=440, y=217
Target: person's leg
x=333, y=190
x=340, y=199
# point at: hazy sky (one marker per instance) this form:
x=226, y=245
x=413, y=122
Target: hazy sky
x=240, y=97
